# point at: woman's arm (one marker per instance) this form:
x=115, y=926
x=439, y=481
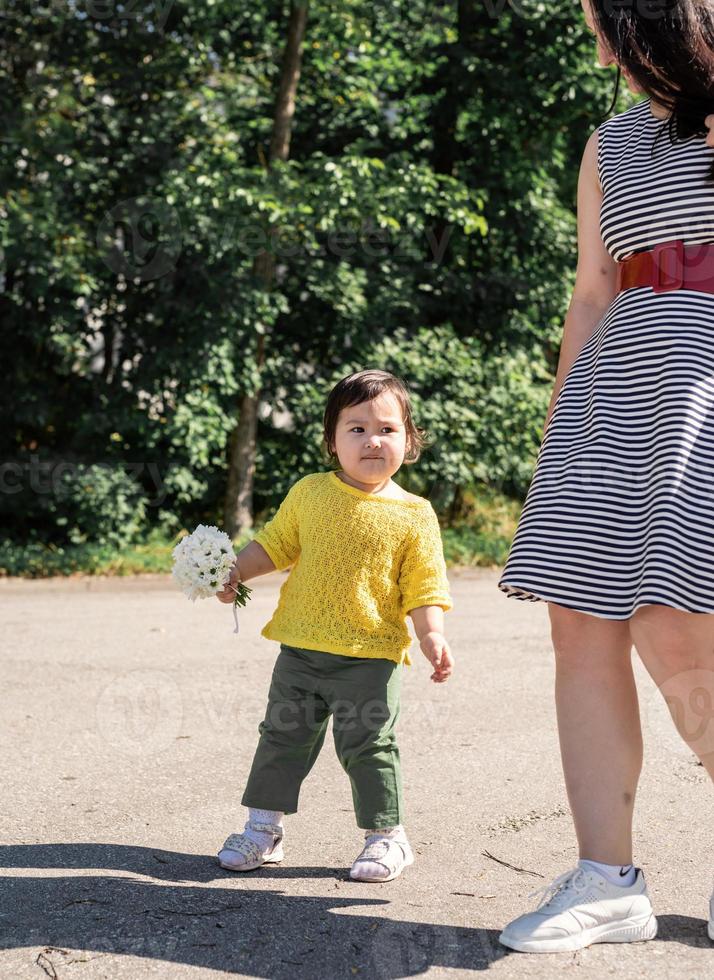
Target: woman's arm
x=596, y=276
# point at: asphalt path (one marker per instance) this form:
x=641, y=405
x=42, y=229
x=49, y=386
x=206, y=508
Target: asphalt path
x=129, y=720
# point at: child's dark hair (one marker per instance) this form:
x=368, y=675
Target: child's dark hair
x=365, y=386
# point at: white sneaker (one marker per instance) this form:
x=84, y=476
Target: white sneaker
x=581, y=907
x=710, y=924
x=242, y=852
x=383, y=858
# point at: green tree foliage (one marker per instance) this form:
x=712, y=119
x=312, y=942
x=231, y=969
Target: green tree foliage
x=424, y=223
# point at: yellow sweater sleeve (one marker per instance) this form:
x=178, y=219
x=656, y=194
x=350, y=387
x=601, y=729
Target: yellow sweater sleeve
x=422, y=576
x=280, y=537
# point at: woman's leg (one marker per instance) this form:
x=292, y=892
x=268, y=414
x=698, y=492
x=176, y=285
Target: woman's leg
x=677, y=649
x=601, y=748
x=599, y=729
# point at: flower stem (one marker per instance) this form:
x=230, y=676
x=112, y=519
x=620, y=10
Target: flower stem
x=242, y=593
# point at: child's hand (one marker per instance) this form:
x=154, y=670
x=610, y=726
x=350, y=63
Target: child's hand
x=709, y=121
x=227, y=594
x=437, y=652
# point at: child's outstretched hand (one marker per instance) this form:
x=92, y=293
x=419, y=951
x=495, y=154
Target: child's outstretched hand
x=227, y=594
x=437, y=652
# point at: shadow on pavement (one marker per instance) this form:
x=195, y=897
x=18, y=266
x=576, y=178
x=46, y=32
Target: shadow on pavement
x=257, y=932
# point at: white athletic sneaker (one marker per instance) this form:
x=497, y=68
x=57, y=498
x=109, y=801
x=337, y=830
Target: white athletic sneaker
x=710, y=925
x=581, y=907
x=243, y=853
x=382, y=858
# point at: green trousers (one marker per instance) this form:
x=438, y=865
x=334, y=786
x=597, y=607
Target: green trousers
x=362, y=696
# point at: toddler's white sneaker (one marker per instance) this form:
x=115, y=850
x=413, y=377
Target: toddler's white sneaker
x=383, y=857
x=581, y=907
x=260, y=843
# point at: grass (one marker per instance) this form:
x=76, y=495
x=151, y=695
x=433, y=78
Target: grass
x=482, y=534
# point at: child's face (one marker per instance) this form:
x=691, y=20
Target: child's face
x=371, y=429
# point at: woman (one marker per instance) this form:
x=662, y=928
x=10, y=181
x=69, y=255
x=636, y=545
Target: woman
x=617, y=530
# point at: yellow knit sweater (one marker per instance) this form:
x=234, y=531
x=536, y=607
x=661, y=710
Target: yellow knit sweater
x=360, y=563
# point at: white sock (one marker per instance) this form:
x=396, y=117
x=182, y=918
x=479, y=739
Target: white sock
x=616, y=874
x=266, y=816
x=262, y=837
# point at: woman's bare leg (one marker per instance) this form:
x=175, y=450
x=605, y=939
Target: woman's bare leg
x=677, y=648
x=599, y=729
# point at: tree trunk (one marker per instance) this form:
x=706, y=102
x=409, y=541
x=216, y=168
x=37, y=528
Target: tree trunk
x=238, y=508
x=450, y=80
x=241, y=453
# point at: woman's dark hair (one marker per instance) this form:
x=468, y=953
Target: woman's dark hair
x=667, y=46
x=365, y=386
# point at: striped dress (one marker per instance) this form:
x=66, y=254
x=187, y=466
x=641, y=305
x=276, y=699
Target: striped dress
x=620, y=509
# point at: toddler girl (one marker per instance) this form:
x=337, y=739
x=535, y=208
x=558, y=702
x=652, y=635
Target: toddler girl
x=365, y=553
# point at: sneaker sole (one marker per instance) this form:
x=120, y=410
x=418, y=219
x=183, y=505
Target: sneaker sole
x=378, y=881
x=630, y=931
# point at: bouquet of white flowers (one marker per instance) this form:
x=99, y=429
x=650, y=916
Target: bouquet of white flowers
x=202, y=566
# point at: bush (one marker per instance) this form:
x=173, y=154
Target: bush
x=99, y=504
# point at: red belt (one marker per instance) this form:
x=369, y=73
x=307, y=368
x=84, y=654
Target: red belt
x=668, y=266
